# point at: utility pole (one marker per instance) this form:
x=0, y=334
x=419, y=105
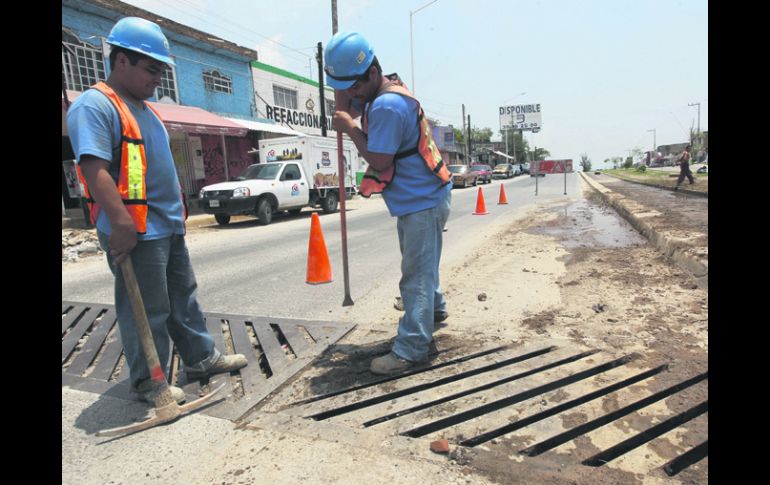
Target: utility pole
x=470, y=146
x=654, y=144
x=334, y=16
x=320, y=59
x=465, y=145
x=411, y=42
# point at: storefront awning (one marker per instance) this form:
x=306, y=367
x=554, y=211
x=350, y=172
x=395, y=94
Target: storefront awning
x=186, y=119
x=269, y=127
x=189, y=119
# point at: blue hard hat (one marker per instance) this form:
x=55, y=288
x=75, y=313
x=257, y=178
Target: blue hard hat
x=347, y=56
x=142, y=36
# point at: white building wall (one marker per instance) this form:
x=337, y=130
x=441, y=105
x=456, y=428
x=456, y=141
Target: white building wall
x=306, y=118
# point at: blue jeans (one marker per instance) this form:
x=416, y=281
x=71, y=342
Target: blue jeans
x=420, y=237
x=169, y=292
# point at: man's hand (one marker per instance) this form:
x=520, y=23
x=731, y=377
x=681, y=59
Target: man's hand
x=343, y=122
x=122, y=240
x=105, y=192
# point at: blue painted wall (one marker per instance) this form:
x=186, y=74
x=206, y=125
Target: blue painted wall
x=191, y=62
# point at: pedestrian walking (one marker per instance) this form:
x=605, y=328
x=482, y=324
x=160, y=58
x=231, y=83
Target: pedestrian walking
x=406, y=167
x=684, y=168
x=136, y=202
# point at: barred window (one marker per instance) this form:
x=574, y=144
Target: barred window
x=329, y=106
x=82, y=62
x=214, y=81
x=167, y=85
x=285, y=98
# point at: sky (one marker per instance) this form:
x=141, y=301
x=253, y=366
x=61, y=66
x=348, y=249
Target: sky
x=611, y=76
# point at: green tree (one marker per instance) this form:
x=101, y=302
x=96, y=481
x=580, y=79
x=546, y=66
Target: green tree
x=517, y=144
x=540, y=153
x=481, y=135
x=585, y=162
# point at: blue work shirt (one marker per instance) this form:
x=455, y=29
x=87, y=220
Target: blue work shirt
x=393, y=128
x=94, y=129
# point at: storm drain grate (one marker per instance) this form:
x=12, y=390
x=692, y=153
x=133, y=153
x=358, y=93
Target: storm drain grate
x=443, y=401
x=276, y=349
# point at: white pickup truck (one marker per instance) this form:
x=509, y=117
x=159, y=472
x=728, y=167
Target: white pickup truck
x=300, y=172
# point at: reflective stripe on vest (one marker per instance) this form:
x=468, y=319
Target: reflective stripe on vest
x=375, y=181
x=131, y=185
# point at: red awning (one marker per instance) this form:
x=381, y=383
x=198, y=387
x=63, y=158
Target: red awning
x=187, y=119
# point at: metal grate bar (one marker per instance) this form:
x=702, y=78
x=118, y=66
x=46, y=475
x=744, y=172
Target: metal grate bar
x=507, y=401
x=276, y=358
x=474, y=390
x=691, y=456
x=482, y=438
x=242, y=344
x=109, y=359
x=68, y=319
x=405, y=374
x=659, y=429
x=299, y=344
x=71, y=340
x=93, y=344
x=562, y=438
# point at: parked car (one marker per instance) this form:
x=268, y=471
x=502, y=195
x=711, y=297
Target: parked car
x=462, y=175
x=517, y=170
x=484, y=173
x=525, y=167
x=504, y=170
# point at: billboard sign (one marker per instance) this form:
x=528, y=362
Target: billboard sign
x=525, y=117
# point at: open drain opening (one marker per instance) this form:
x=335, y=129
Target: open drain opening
x=284, y=342
x=477, y=389
x=402, y=375
x=509, y=428
x=625, y=446
x=690, y=457
x=507, y=401
x=562, y=438
x=421, y=387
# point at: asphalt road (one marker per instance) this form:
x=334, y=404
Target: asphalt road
x=246, y=268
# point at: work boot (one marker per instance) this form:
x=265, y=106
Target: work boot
x=439, y=317
x=399, y=304
x=146, y=391
x=389, y=364
x=225, y=363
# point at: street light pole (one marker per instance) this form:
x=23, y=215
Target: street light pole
x=411, y=41
x=698, y=105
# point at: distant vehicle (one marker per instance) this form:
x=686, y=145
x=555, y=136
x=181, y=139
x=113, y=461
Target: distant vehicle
x=517, y=170
x=504, y=170
x=484, y=173
x=703, y=169
x=462, y=175
x=525, y=167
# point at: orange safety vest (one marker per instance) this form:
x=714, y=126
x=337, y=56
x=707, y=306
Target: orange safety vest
x=375, y=181
x=132, y=185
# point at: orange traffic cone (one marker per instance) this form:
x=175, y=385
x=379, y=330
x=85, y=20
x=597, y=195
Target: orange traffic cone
x=318, y=268
x=503, y=199
x=481, y=208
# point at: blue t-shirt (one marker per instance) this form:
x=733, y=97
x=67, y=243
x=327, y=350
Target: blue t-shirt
x=94, y=129
x=393, y=128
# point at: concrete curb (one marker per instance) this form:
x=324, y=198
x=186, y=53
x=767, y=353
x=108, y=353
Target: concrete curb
x=642, y=218
x=681, y=190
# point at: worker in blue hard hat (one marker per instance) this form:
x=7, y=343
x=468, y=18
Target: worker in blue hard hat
x=406, y=167
x=125, y=163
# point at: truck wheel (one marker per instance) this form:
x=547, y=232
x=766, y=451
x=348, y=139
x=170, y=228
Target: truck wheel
x=329, y=203
x=222, y=219
x=264, y=212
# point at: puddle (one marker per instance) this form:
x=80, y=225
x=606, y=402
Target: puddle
x=591, y=224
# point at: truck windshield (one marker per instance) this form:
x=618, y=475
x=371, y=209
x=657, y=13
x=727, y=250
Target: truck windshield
x=265, y=171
